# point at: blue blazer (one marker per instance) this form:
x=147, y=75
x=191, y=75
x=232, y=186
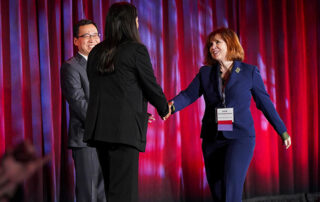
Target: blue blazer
x=244, y=82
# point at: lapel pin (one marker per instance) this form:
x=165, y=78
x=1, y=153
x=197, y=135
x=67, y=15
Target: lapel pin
x=237, y=69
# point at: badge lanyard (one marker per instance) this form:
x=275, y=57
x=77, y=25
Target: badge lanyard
x=224, y=116
x=222, y=91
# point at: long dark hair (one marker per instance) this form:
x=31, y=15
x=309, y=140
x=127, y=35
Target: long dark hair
x=120, y=28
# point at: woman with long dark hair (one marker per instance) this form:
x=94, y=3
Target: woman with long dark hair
x=121, y=81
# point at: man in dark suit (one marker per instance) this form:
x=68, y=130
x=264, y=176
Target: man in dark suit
x=75, y=88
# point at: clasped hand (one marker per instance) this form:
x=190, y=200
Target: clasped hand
x=169, y=113
x=151, y=117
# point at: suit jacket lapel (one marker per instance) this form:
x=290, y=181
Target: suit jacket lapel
x=215, y=79
x=236, y=70
x=82, y=61
x=83, y=72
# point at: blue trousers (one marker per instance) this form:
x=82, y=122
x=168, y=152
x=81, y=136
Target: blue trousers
x=226, y=162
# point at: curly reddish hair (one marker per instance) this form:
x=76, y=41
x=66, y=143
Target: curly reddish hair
x=235, y=50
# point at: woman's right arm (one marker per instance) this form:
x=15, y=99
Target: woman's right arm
x=189, y=95
x=152, y=90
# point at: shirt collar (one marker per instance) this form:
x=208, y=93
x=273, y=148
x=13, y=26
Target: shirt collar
x=85, y=56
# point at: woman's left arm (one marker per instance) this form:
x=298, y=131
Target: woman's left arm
x=264, y=103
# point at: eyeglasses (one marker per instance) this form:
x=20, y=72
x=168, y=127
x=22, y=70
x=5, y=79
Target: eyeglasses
x=88, y=36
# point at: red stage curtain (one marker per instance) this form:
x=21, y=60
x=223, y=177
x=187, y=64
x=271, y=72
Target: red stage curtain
x=281, y=37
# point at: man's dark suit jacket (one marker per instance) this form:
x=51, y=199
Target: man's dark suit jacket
x=117, y=110
x=75, y=88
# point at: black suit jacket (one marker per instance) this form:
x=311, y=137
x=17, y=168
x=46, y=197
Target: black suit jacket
x=75, y=88
x=117, y=110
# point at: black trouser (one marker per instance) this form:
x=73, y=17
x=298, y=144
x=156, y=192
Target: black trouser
x=119, y=165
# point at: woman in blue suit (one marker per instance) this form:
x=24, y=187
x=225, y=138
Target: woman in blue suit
x=227, y=85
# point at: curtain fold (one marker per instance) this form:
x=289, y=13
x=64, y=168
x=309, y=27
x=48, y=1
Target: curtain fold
x=281, y=37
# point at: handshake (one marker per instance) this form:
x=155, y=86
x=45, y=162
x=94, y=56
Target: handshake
x=151, y=117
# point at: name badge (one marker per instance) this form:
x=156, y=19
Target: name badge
x=225, y=119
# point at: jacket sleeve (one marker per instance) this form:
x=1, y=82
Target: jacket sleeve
x=73, y=91
x=264, y=103
x=189, y=95
x=151, y=89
